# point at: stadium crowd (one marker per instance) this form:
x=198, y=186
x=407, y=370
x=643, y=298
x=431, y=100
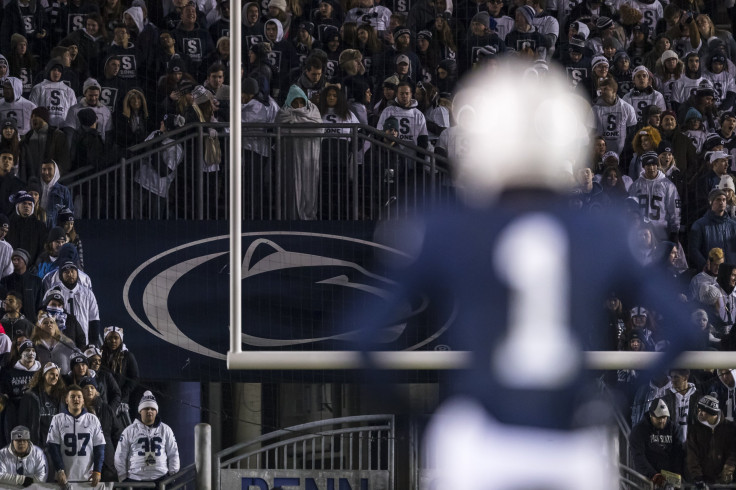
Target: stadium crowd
x=66, y=389
x=84, y=80
x=71, y=409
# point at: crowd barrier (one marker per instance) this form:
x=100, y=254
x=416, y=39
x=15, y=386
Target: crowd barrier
x=359, y=448
x=398, y=179
x=183, y=480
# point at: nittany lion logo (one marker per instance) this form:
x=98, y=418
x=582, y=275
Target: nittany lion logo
x=298, y=289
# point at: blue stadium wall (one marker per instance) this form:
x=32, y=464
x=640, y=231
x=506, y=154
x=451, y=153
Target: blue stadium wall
x=166, y=284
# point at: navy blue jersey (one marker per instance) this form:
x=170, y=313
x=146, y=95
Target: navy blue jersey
x=524, y=282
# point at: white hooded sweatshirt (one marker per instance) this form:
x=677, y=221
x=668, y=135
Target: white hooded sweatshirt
x=19, y=110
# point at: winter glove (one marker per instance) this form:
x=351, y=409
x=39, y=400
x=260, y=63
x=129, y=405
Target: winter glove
x=96, y=477
x=123, y=408
x=726, y=475
x=659, y=480
x=61, y=477
x=27, y=482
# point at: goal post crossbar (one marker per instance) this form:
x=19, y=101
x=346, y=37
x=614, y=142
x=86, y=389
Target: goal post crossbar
x=450, y=360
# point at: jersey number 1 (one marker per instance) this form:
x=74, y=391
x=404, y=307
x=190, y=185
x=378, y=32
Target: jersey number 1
x=539, y=351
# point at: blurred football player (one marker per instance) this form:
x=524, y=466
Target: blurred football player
x=525, y=275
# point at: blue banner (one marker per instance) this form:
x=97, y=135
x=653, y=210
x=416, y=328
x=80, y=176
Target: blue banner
x=166, y=284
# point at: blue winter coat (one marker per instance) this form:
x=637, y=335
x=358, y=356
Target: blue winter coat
x=58, y=195
x=709, y=232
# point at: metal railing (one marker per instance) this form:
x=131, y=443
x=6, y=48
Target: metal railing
x=631, y=480
x=183, y=480
x=622, y=426
x=362, y=174
x=349, y=443
x=711, y=486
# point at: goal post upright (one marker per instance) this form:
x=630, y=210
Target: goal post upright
x=236, y=189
